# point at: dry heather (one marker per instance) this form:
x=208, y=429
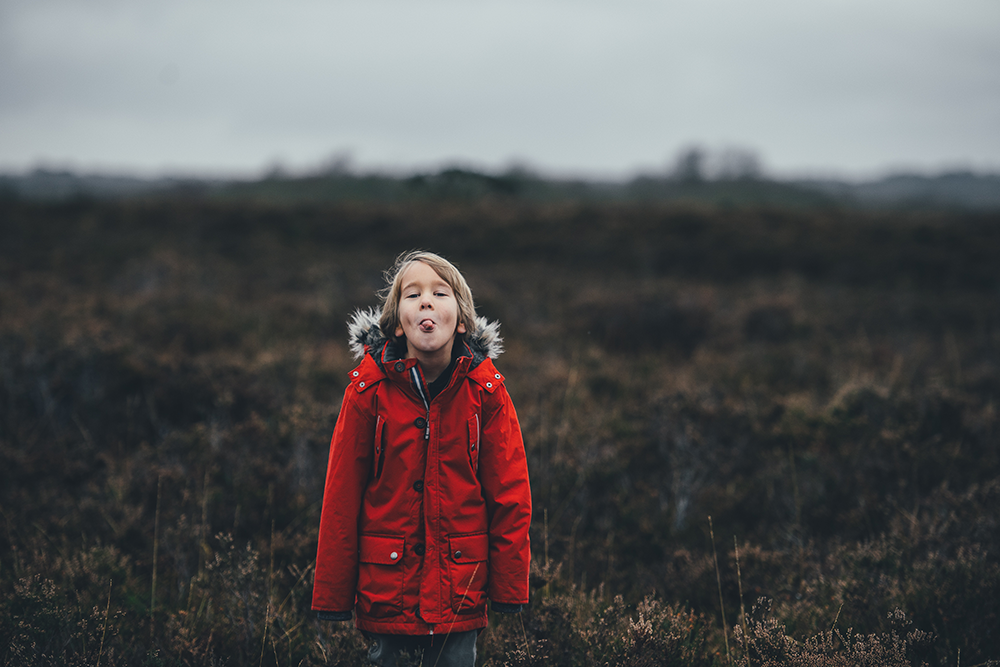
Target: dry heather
x=822, y=383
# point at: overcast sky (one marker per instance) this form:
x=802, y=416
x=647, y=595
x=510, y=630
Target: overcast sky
x=600, y=87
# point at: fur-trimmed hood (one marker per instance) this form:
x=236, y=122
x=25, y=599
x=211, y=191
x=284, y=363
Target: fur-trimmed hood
x=366, y=337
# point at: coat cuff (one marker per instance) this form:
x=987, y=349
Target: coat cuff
x=506, y=608
x=334, y=615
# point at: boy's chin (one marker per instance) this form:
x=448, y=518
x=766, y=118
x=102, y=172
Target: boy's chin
x=429, y=348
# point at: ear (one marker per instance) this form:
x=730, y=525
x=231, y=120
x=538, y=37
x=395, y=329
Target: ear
x=399, y=331
x=461, y=328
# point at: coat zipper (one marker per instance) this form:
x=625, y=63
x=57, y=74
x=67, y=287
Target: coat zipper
x=418, y=381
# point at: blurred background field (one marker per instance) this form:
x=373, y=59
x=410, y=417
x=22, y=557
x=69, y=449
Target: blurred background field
x=819, y=377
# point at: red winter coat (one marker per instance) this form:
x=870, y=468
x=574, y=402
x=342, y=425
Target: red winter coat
x=427, y=505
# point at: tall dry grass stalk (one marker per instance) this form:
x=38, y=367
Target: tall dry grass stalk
x=739, y=583
x=545, y=535
x=104, y=630
x=156, y=550
x=270, y=589
x=465, y=593
x=524, y=635
x=795, y=487
x=571, y=550
x=718, y=581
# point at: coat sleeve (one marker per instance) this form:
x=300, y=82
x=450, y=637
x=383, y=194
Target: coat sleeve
x=503, y=473
x=346, y=477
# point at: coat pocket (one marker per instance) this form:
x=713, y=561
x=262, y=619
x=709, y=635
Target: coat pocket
x=469, y=571
x=380, y=575
x=474, y=437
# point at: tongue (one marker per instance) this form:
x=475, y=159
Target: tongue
x=427, y=327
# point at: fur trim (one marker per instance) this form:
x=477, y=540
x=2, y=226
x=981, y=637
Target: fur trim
x=363, y=331
x=486, y=338
x=364, y=335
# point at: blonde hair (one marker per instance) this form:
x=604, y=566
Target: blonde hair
x=389, y=320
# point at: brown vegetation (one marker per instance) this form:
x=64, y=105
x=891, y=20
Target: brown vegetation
x=823, y=383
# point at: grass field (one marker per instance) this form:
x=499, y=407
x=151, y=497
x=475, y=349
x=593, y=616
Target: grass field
x=822, y=383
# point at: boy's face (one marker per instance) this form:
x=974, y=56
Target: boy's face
x=428, y=313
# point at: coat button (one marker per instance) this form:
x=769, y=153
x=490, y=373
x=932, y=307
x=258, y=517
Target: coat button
x=419, y=550
x=400, y=367
x=355, y=374
x=418, y=486
x=489, y=384
x=394, y=555
x=458, y=554
x=420, y=422
x=497, y=376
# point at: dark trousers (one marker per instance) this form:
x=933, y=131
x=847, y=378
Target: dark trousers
x=455, y=650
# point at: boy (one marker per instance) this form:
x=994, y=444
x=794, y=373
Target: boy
x=427, y=504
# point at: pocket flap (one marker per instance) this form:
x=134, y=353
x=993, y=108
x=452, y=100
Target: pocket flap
x=380, y=549
x=469, y=548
